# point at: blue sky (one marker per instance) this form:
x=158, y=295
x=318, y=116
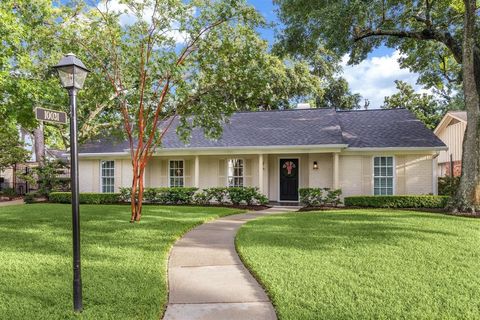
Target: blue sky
x=373, y=78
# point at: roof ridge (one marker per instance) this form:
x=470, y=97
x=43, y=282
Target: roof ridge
x=282, y=110
x=363, y=110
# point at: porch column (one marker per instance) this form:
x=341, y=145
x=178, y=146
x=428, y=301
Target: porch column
x=196, y=181
x=260, y=173
x=335, y=171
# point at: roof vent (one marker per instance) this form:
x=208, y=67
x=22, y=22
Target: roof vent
x=303, y=106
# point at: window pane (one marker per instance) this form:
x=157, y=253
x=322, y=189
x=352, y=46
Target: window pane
x=383, y=171
x=107, y=177
x=390, y=171
x=390, y=182
x=383, y=176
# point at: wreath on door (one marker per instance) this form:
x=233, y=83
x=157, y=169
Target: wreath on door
x=289, y=166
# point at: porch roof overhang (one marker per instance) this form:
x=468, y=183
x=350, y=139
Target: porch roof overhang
x=330, y=148
x=327, y=148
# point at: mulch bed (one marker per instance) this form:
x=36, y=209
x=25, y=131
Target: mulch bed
x=430, y=210
x=306, y=209
x=5, y=199
x=244, y=207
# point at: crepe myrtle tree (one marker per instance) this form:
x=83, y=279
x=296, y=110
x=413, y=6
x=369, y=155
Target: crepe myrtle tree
x=169, y=61
x=436, y=38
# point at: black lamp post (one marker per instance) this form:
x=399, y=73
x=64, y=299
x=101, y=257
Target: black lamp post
x=72, y=73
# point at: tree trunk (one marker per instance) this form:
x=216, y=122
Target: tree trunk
x=136, y=200
x=39, y=143
x=468, y=193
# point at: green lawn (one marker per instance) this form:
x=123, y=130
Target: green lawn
x=366, y=264
x=124, y=265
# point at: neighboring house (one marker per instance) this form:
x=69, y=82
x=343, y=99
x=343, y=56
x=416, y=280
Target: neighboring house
x=362, y=152
x=451, y=131
x=12, y=177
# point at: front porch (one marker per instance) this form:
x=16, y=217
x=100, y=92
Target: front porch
x=278, y=176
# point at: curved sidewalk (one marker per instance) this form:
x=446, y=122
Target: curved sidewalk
x=206, y=278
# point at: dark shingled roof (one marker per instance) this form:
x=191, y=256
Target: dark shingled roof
x=301, y=127
x=388, y=128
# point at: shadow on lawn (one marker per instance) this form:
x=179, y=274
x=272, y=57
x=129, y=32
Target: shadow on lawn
x=122, y=263
x=324, y=231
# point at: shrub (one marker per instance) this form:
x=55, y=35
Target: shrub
x=447, y=186
x=217, y=194
x=175, y=195
x=332, y=197
x=245, y=195
x=30, y=197
x=9, y=193
x=85, y=198
x=125, y=194
x=311, y=197
x=316, y=197
x=405, y=201
x=202, y=198
x=49, y=177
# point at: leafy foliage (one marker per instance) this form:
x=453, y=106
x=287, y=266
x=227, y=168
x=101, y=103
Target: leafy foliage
x=48, y=177
x=12, y=150
x=358, y=27
x=424, y=106
x=448, y=186
x=407, y=201
x=9, y=193
x=85, y=197
x=317, y=197
x=221, y=195
x=245, y=195
x=337, y=95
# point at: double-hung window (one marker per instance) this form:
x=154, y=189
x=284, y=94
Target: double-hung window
x=235, y=172
x=383, y=176
x=177, y=170
x=107, y=169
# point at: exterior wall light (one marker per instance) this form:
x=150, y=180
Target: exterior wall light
x=315, y=165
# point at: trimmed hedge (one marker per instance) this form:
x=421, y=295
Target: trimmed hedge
x=236, y=196
x=316, y=197
x=406, y=201
x=85, y=197
x=163, y=195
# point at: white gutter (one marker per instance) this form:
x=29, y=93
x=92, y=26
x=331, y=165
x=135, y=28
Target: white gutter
x=399, y=149
x=230, y=150
x=325, y=148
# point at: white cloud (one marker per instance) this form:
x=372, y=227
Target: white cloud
x=374, y=78
x=128, y=18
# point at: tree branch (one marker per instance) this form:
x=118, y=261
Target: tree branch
x=426, y=34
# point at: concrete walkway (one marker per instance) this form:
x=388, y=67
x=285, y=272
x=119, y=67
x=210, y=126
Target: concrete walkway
x=208, y=281
x=11, y=203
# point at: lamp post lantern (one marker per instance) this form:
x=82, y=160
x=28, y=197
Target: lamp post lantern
x=72, y=73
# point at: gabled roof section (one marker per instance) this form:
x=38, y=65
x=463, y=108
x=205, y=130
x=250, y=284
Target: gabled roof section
x=385, y=128
x=448, y=117
x=268, y=128
x=310, y=128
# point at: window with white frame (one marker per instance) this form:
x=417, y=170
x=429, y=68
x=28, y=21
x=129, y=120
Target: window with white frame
x=107, y=178
x=383, y=176
x=235, y=173
x=177, y=170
